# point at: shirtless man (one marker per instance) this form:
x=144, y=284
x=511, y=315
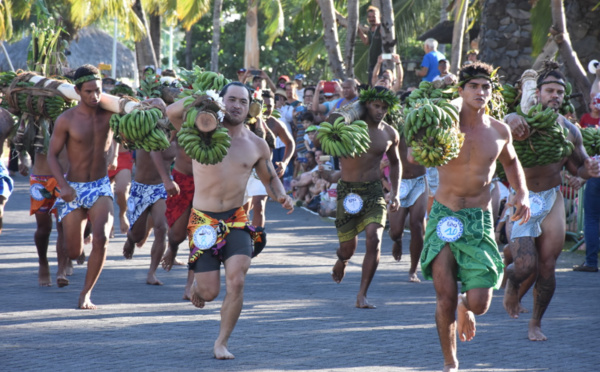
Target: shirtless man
x=147, y=199
x=361, y=204
x=218, y=198
x=465, y=248
x=535, y=246
x=44, y=193
x=413, y=202
x=85, y=191
x=178, y=211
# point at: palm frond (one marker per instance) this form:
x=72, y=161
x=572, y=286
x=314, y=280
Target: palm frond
x=190, y=11
x=273, y=13
x=541, y=20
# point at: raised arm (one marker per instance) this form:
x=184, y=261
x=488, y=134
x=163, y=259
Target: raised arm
x=399, y=73
x=175, y=113
x=316, y=106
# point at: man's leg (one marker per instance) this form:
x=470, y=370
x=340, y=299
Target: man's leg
x=101, y=217
x=550, y=244
x=136, y=233
x=236, y=268
x=525, y=258
x=157, y=210
x=41, y=238
x=475, y=302
x=62, y=256
x=417, y=232
x=443, y=269
x=344, y=253
x=374, y=232
x=176, y=234
x=259, y=203
x=397, y=221
x=122, y=185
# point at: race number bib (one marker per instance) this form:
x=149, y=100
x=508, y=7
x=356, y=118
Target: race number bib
x=353, y=203
x=537, y=205
x=449, y=229
x=36, y=190
x=404, y=189
x=205, y=237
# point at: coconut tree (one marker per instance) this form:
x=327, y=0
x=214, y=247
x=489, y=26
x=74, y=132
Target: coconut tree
x=216, y=40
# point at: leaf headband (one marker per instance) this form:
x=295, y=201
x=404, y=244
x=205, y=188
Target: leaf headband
x=87, y=78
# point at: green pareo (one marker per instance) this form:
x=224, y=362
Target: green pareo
x=374, y=209
x=476, y=252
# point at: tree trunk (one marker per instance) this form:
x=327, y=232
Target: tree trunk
x=562, y=38
x=155, y=30
x=144, y=51
x=330, y=37
x=548, y=52
x=443, y=17
x=351, y=37
x=460, y=11
x=388, y=32
x=188, y=49
x=251, y=50
x=216, y=40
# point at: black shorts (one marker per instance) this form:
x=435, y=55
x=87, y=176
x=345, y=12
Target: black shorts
x=237, y=242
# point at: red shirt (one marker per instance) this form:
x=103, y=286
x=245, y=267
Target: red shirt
x=588, y=121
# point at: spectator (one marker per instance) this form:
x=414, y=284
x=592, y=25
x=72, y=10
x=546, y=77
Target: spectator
x=396, y=77
x=282, y=81
x=307, y=99
x=309, y=138
x=445, y=78
x=372, y=38
x=349, y=94
x=429, y=67
x=280, y=99
x=472, y=56
x=592, y=118
x=299, y=79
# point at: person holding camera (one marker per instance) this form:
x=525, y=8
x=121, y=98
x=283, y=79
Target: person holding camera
x=349, y=93
x=372, y=38
x=395, y=76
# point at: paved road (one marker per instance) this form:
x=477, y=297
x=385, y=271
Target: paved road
x=295, y=317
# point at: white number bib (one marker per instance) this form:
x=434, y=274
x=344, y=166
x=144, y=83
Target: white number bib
x=205, y=237
x=353, y=203
x=537, y=205
x=449, y=229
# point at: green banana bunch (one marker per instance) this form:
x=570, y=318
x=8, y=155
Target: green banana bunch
x=395, y=118
x=201, y=81
x=6, y=78
x=206, y=148
x=139, y=129
x=426, y=90
x=591, y=140
x=547, y=142
x=432, y=132
x=341, y=140
x=510, y=95
x=567, y=107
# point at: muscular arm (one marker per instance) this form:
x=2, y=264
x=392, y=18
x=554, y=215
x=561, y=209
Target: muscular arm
x=170, y=186
x=399, y=73
x=175, y=113
x=579, y=163
x=58, y=140
x=266, y=173
x=316, y=106
x=376, y=71
x=395, y=171
x=516, y=178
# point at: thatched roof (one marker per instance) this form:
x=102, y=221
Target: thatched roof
x=92, y=46
x=442, y=32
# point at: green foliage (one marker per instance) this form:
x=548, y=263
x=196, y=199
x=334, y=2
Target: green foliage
x=280, y=59
x=541, y=20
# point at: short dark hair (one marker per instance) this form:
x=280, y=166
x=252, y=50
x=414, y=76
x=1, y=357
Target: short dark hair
x=85, y=70
x=311, y=88
x=468, y=72
x=237, y=84
x=168, y=72
x=307, y=116
x=550, y=69
x=267, y=93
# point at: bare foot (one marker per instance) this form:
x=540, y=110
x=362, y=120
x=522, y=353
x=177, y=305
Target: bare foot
x=128, y=249
x=339, y=270
x=413, y=278
x=451, y=368
x=178, y=262
x=221, y=352
x=152, y=280
x=81, y=258
x=124, y=224
x=85, y=303
x=167, y=260
x=44, y=278
x=62, y=281
x=535, y=331
x=197, y=301
x=397, y=252
x=465, y=321
x=511, y=300
x=186, y=296
x=363, y=303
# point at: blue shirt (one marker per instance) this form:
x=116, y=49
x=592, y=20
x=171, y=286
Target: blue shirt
x=431, y=61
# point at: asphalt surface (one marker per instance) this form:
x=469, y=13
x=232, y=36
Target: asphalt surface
x=295, y=318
